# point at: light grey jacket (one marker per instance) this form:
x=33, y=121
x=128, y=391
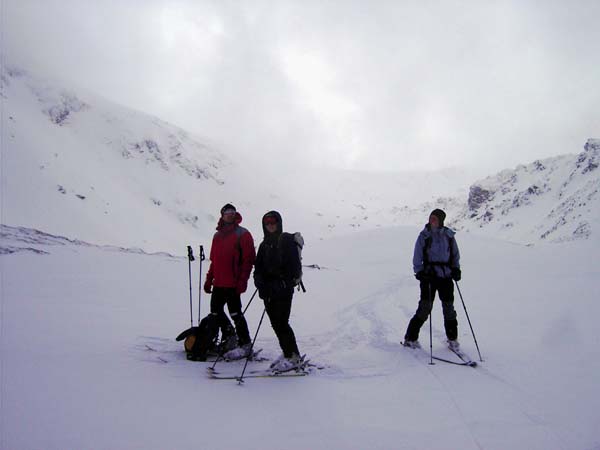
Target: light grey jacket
x=438, y=247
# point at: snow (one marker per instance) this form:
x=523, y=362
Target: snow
x=89, y=314
x=94, y=170
x=555, y=199
x=102, y=170
x=76, y=164
x=77, y=373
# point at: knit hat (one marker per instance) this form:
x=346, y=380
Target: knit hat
x=441, y=215
x=226, y=207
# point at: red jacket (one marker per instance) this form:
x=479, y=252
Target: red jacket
x=232, y=256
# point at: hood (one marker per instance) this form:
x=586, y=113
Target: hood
x=279, y=223
x=221, y=225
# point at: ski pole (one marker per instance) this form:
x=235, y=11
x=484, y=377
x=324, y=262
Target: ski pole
x=190, y=259
x=430, y=323
x=202, y=258
x=251, y=298
x=241, y=378
x=212, y=368
x=469, y=320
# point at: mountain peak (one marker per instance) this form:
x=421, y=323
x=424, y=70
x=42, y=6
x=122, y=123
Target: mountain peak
x=589, y=159
x=554, y=199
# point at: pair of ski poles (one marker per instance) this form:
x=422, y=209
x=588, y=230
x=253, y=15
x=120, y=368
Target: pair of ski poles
x=431, y=325
x=190, y=260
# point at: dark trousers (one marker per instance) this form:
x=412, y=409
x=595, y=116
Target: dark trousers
x=278, y=309
x=228, y=296
x=445, y=289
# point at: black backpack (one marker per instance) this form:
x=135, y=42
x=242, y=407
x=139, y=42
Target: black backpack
x=199, y=340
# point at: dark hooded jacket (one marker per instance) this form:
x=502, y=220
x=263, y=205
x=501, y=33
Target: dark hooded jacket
x=277, y=262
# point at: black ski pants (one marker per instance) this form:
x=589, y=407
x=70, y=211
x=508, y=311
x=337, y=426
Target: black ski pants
x=278, y=309
x=445, y=289
x=228, y=296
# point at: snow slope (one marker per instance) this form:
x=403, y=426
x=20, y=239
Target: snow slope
x=78, y=165
x=77, y=372
x=556, y=199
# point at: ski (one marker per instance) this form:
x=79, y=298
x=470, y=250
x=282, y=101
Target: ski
x=301, y=370
x=303, y=364
x=255, y=358
x=463, y=360
x=462, y=363
x=260, y=371
x=307, y=366
x=463, y=356
x=215, y=376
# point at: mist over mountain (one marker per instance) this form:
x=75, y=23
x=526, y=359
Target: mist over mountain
x=76, y=165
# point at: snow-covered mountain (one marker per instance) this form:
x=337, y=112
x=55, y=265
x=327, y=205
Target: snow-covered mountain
x=343, y=202
x=77, y=165
x=555, y=199
x=552, y=200
x=74, y=164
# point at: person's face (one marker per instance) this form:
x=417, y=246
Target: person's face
x=229, y=216
x=434, y=222
x=271, y=224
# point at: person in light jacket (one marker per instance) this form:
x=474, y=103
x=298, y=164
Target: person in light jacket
x=436, y=263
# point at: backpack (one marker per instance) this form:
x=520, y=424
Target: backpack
x=428, y=265
x=199, y=340
x=299, y=241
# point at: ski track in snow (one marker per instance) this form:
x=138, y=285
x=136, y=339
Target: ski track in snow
x=361, y=321
x=362, y=348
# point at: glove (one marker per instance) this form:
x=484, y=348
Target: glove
x=208, y=286
x=456, y=274
x=421, y=275
x=241, y=287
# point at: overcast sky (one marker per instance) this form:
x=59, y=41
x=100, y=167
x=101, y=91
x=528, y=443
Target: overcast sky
x=378, y=85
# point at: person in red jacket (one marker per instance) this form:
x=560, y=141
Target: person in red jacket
x=232, y=256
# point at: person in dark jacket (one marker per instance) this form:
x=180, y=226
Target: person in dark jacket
x=276, y=271
x=231, y=258
x=436, y=263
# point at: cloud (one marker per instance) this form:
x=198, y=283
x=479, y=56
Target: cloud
x=380, y=85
